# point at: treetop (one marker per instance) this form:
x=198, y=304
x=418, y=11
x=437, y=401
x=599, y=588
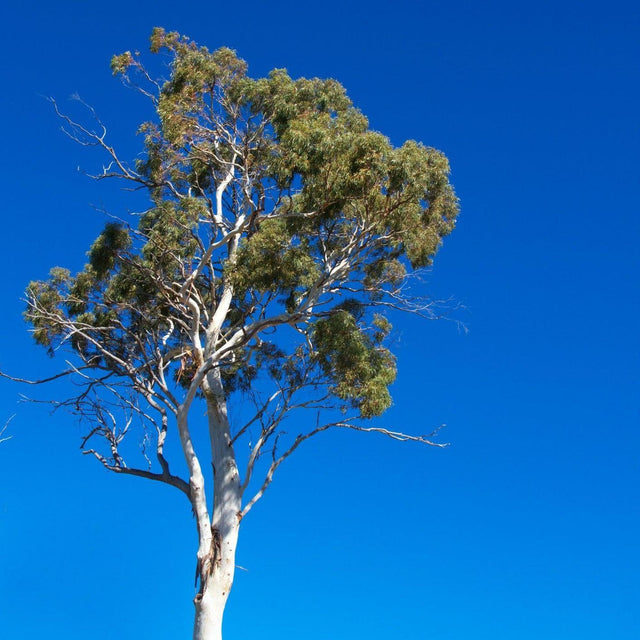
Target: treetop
x=280, y=229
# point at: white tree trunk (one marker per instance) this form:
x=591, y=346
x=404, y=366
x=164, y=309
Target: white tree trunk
x=211, y=600
x=217, y=550
x=208, y=622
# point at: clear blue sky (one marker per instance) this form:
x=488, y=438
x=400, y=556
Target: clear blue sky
x=527, y=527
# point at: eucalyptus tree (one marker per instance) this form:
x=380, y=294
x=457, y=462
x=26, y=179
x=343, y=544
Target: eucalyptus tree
x=279, y=231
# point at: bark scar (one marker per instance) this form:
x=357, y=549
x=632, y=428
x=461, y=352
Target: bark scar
x=215, y=553
x=206, y=566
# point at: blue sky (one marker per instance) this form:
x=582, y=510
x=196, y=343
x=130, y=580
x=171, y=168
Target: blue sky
x=527, y=526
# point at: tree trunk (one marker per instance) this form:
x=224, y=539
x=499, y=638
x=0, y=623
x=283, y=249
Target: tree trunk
x=208, y=622
x=217, y=566
x=212, y=597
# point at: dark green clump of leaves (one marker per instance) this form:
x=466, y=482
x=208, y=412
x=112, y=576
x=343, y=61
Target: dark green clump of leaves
x=105, y=250
x=273, y=260
x=360, y=368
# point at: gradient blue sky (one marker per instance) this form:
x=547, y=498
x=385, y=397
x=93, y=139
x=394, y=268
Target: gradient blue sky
x=526, y=527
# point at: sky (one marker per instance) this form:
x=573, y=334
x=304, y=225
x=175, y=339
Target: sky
x=527, y=525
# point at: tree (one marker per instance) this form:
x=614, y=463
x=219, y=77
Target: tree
x=280, y=229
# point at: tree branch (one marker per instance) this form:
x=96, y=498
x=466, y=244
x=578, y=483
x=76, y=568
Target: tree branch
x=169, y=479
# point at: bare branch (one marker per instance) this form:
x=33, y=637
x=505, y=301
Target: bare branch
x=62, y=374
x=344, y=424
x=89, y=138
x=4, y=428
x=174, y=481
x=277, y=462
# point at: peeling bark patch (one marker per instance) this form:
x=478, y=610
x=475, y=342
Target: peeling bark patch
x=215, y=553
x=207, y=565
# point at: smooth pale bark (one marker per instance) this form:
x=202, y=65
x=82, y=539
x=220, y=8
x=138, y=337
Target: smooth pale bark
x=216, y=564
x=210, y=602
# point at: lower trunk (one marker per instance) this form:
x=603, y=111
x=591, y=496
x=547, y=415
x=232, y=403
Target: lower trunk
x=216, y=578
x=209, y=610
x=217, y=549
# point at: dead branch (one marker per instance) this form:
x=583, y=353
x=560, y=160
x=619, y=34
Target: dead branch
x=4, y=428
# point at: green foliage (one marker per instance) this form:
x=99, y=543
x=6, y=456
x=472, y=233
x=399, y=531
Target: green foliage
x=320, y=219
x=273, y=260
x=105, y=250
x=49, y=295
x=360, y=368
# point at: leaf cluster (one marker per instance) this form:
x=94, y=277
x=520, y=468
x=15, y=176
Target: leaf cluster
x=358, y=365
